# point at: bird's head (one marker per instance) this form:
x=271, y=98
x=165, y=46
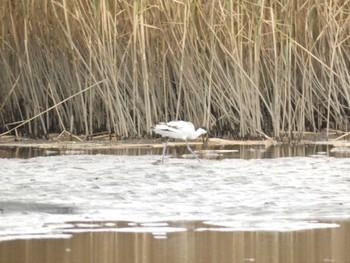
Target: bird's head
x=201, y=131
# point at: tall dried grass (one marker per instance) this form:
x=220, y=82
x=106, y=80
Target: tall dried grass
x=234, y=67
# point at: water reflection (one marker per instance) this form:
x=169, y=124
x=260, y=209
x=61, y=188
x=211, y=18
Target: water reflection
x=180, y=151
x=109, y=244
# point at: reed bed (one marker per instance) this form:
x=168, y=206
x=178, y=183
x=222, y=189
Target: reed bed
x=238, y=68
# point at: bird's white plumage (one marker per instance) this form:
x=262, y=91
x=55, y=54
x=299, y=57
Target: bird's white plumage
x=183, y=130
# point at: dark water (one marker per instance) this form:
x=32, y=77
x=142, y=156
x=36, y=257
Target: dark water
x=7, y=207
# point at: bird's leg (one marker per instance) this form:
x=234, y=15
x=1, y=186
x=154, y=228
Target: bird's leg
x=164, y=149
x=191, y=151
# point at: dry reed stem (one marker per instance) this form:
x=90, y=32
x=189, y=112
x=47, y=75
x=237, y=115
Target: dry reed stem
x=8, y=95
x=49, y=109
x=234, y=67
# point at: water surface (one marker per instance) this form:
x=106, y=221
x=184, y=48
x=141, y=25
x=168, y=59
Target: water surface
x=250, y=192
x=133, y=209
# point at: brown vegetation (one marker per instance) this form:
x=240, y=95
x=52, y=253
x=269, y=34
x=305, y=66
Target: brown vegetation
x=241, y=68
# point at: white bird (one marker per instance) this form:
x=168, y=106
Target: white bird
x=183, y=130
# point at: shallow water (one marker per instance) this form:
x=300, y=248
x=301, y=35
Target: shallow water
x=263, y=209
x=255, y=193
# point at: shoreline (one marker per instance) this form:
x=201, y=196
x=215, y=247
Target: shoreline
x=105, y=143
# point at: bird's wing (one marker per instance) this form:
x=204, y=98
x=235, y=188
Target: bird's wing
x=181, y=125
x=164, y=129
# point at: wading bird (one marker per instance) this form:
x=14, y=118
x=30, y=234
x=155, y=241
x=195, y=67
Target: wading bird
x=178, y=130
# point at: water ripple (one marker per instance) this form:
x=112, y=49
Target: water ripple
x=136, y=188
